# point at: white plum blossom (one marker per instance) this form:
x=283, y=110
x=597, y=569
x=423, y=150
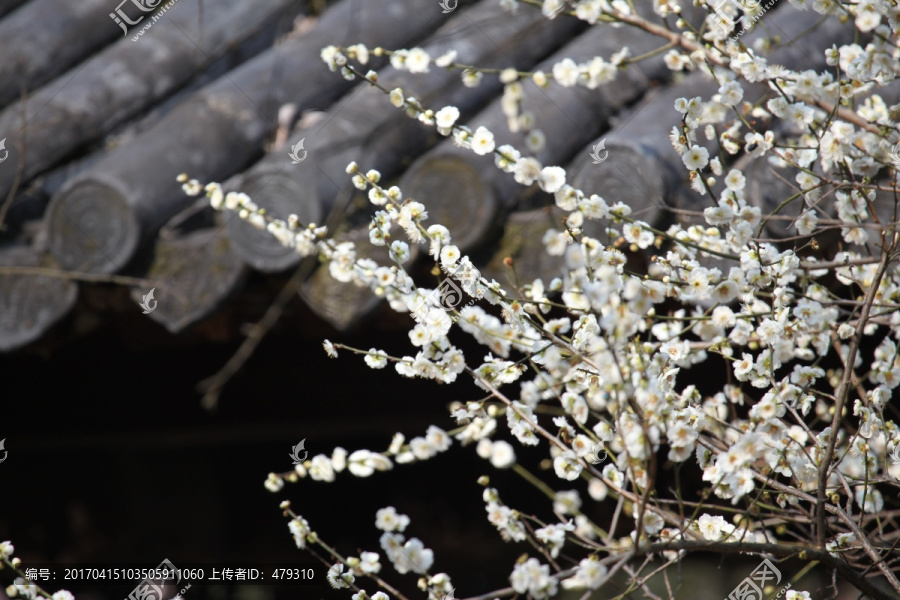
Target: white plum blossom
x=274, y=483
x=413, y=556
x=376, y=359
x=369, y=562
x=565, y=72
x=527, y=170
x=387, y=519
x=321, y=469
x=591, y=574
x=446, y=59
x=446, y=118
x=533, y=578
x=731, y=93
x=552, y=179
x=639, y=233
x=554, y=536
x=695, y=158
x=339, y=459
x=520, y=418
x=337, y=578
x=417, y=61
x=502, y=454
x=397, y=97
x=567, y=465
x=363, y=463
x=567, y=502
x=299, y=529
x=712, y=527
x=482, y=141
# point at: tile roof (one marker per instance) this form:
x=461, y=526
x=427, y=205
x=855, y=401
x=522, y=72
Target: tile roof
x=102, y=122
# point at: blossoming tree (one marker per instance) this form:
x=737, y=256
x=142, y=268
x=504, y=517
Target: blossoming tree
x=797, y=448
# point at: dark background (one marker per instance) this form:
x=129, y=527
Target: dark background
x=112, y=459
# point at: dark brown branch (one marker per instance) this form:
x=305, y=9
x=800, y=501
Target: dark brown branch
x=212, y=387
x=844, y=389
x=804, y=552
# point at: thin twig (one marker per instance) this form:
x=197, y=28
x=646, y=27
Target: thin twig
x=212, y=387
x=844, y=389
x=20, y=168
x=78, y=276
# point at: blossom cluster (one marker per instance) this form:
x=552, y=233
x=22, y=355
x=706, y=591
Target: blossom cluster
x=404, y=555
x=363, y=463
x=22, y=587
